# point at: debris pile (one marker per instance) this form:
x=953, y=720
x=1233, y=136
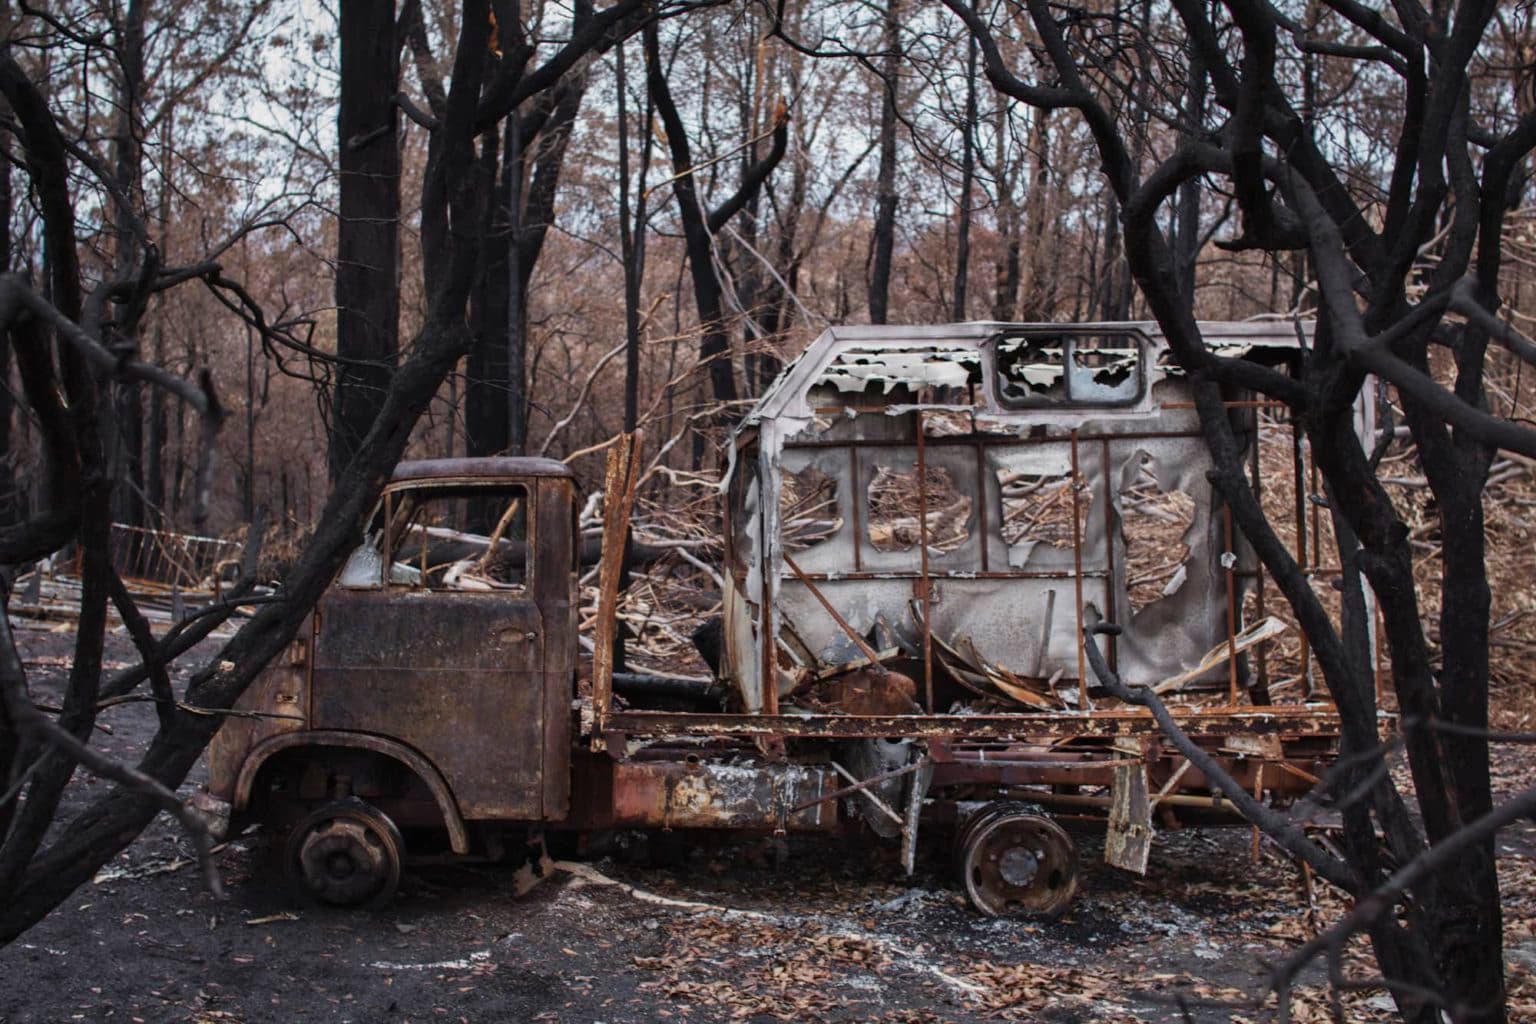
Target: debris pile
x=896, y=504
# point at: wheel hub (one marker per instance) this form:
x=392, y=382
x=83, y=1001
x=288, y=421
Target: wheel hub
x=347, y=854
x=1017, y=862
x=1018, y=866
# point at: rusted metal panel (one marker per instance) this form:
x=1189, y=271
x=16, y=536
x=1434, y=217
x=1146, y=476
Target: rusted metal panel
x=1298, y=720
x=683, y=793
x=1128, y=842
x=276, y=702
x=432, y=779
x=554, y=587
x=1290, y=778
x=454, y=675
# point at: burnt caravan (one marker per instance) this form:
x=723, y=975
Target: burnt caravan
x=921, y=525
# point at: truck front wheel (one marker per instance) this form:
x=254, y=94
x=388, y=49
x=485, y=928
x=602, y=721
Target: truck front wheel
x=347, y=853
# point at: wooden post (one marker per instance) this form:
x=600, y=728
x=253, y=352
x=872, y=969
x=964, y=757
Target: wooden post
x=619, y=482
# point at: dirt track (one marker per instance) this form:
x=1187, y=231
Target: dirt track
x=820, y=930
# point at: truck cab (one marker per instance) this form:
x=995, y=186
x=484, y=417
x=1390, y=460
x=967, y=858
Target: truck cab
x=431, y=687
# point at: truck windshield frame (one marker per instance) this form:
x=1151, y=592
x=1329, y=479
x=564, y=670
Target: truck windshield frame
x=449, y=557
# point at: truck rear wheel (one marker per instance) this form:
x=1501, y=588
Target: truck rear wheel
x=347, y=853
x=1016, y=862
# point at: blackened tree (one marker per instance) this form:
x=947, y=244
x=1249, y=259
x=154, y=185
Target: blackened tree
x=368, y=223
x=1402, y=246
x=66, y=371
x=701, y=225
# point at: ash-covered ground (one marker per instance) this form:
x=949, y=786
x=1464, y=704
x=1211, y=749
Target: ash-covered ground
x=687, y=928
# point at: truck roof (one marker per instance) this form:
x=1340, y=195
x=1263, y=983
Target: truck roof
x=484, y=468
x=882, y=343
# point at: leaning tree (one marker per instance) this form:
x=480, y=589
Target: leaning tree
x=1376, y=154
x=68, y=336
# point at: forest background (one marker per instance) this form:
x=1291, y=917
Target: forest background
x=234, y=214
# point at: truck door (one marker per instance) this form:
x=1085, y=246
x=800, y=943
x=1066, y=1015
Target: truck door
x=433, y=636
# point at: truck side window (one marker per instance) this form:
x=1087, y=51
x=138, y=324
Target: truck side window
x=433, y=547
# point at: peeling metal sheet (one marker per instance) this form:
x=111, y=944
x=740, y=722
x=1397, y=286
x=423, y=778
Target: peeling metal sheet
x=845, y=409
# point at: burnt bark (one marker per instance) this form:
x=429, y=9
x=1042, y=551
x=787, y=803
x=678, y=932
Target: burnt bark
x=700, y=226
x=488, y=378
x=367, y=229
x=883, y=242
x=967, y=185
x=532, y=147
x=126, y=444
x=10, y=510
x=633, y=217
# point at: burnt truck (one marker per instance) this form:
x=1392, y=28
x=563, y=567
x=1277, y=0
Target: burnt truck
x=921, y=527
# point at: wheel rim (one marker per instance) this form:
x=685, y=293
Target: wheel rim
x=346, y=854
x=1018, y=864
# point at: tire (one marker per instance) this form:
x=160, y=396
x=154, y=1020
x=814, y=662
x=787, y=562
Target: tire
x=346, y=853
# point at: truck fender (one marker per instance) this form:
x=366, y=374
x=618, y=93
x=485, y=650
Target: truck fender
x=458, y=835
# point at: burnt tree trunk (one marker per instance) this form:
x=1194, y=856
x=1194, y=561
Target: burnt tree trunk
x=10, y=511
x=1039, y=299
x=699, y=226
x=488, y=380
x=632, y=222
x=532, y=145
x=1186, y=232
x=886, y=200
x=1005, y=285
x=967, y=185
x=126, y=440
x=367, y=230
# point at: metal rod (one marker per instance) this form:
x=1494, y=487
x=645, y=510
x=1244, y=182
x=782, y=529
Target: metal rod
x=926, y=585
x=884, y=807
x=1168, y=787
x=1230, y=556
x=1109, y=553
x=1215, y=801
x=1000, y=440
x=1300, y=720
x=1258, y=490
x=1245, y=403
x=983, y=500
x=853, y=634
x=1092, y=574
x=856, y=504
x=838, y=794
x=767, y=666
x=1298, y=478
x=1077, y=581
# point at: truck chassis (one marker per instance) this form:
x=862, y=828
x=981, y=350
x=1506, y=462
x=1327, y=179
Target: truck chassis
x=881, y=669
